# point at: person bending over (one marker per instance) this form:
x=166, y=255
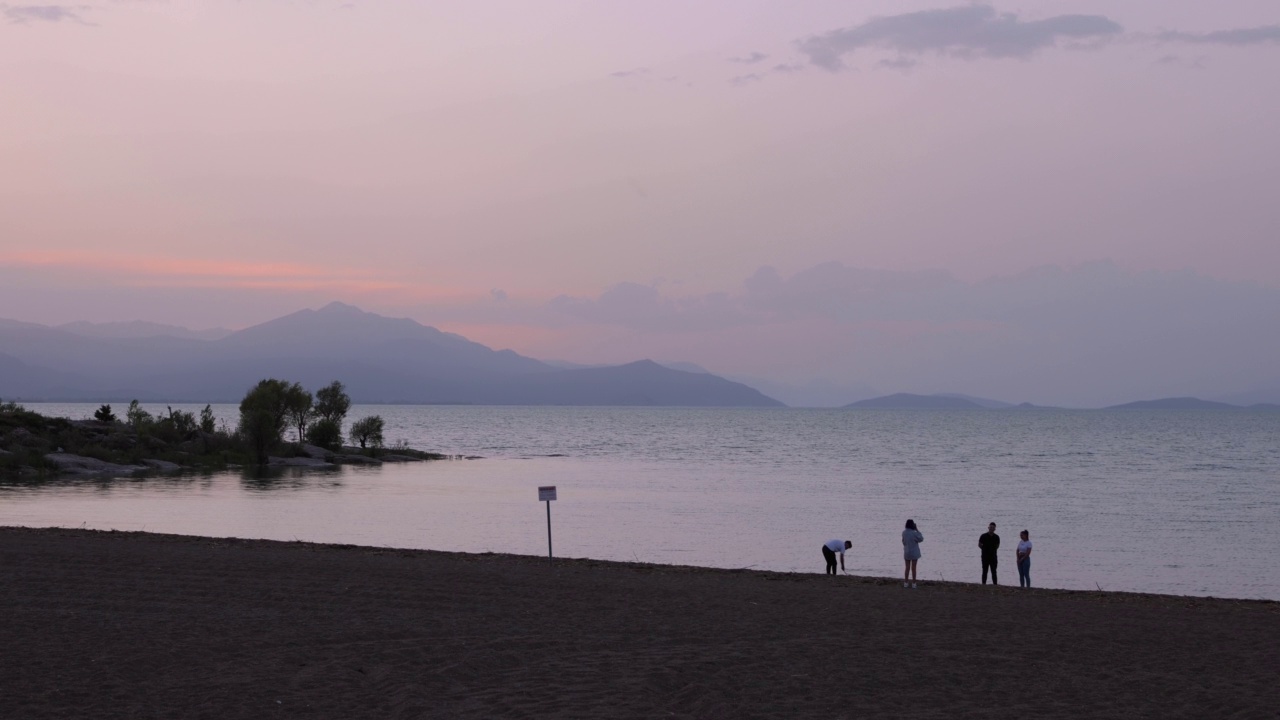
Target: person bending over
x=829, y=553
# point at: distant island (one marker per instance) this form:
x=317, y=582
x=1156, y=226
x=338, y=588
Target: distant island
x=1189, y=403
x=909, y=401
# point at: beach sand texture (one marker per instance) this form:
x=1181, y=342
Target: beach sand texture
x=134, y=625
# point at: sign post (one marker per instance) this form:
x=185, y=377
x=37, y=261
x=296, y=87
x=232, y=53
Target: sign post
x=547, y=493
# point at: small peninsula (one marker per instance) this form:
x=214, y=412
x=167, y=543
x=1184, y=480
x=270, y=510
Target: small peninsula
x=35, y=445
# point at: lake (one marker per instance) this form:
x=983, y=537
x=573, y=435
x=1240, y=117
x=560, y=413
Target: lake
x=1182, y=502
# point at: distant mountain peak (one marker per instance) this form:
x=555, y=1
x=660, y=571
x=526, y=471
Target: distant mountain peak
x=341, y=308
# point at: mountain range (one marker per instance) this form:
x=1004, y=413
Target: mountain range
x=379, y=359
x=389, y=360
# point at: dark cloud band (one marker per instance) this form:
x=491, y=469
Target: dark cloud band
x=972, y=31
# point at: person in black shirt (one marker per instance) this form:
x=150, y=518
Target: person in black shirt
x=989, y=542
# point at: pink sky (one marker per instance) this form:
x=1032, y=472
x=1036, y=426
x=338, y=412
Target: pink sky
x=468, y=163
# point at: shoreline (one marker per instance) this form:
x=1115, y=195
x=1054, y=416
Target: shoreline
x=873, y=580
x=134, y=624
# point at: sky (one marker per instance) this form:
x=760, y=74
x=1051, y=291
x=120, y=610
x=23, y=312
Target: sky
x=1065, y=202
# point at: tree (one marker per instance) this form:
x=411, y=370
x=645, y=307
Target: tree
x=367, y=431
x=136, y=416
x=298, y=403
x=332, y=403
x=104, y=414
x=206, y=420
x=263, y=413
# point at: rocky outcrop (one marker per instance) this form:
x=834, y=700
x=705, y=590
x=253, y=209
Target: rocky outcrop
x=306, y=462
x=92, y=467
x=315, y=451
x=356, y=460
x=163, y=466
x=393, y=458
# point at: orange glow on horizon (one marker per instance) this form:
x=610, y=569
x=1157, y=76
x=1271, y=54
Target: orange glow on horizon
x=151, y=271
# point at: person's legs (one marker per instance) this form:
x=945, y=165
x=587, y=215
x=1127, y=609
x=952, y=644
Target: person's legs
x=906, y=571
x=912, y=563
x=994, y=564
x=985, y=565
x=830, y=558
x=1024, y=572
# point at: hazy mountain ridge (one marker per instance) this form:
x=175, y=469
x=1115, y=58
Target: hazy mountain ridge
x=141, y=329
x=396, y=360
x=1184, y=403
x=954, y=401
x=380, y=359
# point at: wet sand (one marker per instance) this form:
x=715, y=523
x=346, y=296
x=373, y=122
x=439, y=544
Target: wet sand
x=135, y=625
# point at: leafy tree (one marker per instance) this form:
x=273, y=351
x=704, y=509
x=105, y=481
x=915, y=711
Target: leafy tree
x=325, y=433
x=136, y=416
x=104, y=414
x=367, y=431
x=263, y=414
x=206, y=420
x=332, y=403
x=298, y=402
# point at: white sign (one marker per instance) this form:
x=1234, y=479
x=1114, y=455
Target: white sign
x=546, y=492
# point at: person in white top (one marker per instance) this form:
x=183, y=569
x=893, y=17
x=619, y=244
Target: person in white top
x=1024, y=560
x=829, y=551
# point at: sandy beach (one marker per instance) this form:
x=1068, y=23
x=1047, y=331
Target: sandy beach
x=135, y=625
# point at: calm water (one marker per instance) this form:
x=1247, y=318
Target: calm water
x=1156, y=501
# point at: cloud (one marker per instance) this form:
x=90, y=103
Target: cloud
x=629, y=73
x=788, y=68
x=749, y=59
x=972, y=31
x=1086, y=336
x=642, y=307
x=898, y=63
x=1261, y=35
x=746, y=79
x=24, y=14
x=1179, y=61
x=172, y=272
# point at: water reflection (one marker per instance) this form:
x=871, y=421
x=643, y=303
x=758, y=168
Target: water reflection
x=277, y=479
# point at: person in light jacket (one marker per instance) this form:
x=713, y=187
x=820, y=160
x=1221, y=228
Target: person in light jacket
x=911, y=539
x=1024, y=560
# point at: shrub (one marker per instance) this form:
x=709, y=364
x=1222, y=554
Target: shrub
x=325, y=433
x=182, y=422
x=11, y=407
x=206, y=420
x=136, y=416
x=104, y=414
x=367, y=431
